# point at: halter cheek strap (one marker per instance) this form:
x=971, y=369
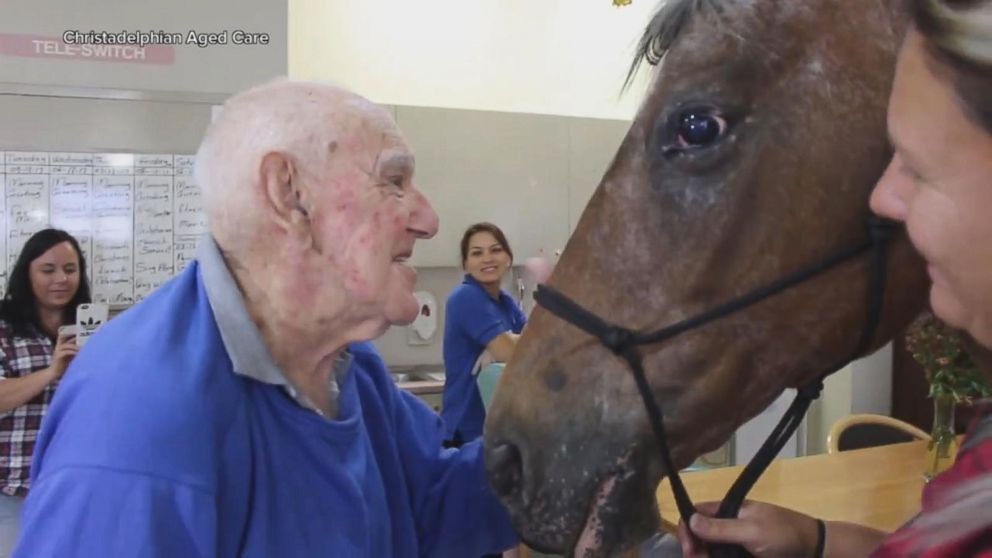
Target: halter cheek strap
x=625, y=343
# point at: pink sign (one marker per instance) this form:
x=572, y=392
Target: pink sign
x=37, y=46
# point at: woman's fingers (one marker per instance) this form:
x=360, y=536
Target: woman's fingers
x=733, y=531
x=690, y=545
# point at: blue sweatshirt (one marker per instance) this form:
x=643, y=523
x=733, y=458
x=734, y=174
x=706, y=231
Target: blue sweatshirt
x=154, y=447
x=473, y=319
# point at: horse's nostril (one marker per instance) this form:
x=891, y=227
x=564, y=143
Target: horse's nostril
x=505, y=468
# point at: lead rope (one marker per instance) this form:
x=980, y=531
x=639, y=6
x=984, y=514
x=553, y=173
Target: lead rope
x=880, y=231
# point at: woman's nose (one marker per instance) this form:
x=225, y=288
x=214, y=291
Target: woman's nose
x=890, y=198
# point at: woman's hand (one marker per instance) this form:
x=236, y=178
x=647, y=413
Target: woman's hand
x=765, y=530
x=65, y=350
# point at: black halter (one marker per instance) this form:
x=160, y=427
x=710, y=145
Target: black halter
x=625, y=342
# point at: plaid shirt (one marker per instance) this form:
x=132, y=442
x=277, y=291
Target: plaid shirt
x=20, y=356
x=956, y=516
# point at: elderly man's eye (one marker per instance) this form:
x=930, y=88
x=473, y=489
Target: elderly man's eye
x=394, y=184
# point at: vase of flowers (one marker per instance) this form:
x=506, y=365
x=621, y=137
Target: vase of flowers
x=954, y=379
x=943, y=445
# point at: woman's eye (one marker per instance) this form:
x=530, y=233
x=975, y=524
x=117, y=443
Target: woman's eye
x=696, y=129
x=911, y=173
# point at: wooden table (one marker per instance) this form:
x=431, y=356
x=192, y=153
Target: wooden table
x=879, y=487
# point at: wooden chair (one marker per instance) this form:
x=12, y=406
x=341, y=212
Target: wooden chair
x=870, y=430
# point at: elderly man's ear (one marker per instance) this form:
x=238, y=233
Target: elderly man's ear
x=288, y=199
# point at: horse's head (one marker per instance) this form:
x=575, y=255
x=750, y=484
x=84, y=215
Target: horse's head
x=751, y=157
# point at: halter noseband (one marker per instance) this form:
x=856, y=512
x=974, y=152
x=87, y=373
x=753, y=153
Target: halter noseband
x=625, y=342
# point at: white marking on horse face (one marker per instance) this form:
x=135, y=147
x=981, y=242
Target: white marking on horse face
x=814, y=67
x=701, y=196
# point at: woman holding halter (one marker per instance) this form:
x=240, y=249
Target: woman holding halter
x=939, y=184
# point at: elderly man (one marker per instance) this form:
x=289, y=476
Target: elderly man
x=239, y=410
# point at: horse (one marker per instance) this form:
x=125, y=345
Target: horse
x=751, y=156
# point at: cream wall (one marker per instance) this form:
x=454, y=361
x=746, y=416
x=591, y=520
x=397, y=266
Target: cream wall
x=547, y=57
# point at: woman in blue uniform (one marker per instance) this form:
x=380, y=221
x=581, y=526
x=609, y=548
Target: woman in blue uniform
x=480, y=317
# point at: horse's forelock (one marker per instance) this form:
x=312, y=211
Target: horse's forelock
x=672, y=19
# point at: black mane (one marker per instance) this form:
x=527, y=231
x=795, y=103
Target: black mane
x=664, y=28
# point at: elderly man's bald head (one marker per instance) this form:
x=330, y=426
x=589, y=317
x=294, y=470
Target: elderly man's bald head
x=310, y=194
x=303, y=120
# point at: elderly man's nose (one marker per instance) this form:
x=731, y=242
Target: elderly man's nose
x=424, y=220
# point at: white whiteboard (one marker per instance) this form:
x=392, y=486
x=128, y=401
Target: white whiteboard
x=137, y=216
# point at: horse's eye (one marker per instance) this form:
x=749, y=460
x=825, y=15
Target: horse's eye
x=699, y=129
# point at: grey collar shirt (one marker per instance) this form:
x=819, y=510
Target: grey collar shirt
x=242, y=340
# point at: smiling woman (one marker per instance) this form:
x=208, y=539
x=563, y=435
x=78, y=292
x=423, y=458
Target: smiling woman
x=46, y=285
x=482, y=323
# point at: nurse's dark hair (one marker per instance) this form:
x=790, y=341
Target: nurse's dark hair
x=484, y=227
x=958, y=35
x=19, y=306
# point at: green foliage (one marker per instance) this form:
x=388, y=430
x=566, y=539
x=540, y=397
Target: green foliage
x=948, y=367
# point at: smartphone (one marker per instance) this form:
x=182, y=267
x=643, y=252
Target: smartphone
x=89, y=318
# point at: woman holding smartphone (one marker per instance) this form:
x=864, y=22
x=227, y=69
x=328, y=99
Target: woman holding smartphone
x=46, y=285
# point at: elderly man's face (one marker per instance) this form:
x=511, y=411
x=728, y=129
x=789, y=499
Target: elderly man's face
x=370, y=214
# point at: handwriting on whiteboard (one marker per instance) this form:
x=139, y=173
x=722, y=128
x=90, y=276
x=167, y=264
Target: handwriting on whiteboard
x=137, y=216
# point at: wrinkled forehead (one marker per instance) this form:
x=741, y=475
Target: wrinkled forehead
x=368, y=130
